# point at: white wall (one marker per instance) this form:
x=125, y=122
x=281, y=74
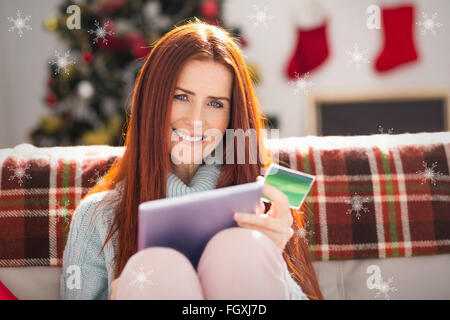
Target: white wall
x=23, y=61
x=24, y=68
x=271, y=48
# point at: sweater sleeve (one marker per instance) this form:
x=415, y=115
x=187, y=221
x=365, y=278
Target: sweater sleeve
x=84, y=275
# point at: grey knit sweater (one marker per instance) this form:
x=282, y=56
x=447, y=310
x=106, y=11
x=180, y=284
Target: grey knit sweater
x=85, y=273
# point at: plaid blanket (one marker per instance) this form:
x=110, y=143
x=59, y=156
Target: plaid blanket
x=374, y=196
x=39, y=190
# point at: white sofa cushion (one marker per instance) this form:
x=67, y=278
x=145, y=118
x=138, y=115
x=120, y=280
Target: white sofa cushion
x=32, y=283
x=420, y=277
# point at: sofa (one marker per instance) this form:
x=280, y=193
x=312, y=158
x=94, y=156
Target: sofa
x=378, y=225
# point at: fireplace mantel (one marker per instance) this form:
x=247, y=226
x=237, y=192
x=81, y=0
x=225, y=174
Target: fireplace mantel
x=355, y=112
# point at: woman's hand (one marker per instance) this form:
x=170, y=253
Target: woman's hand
x=276, y=223
x=113, y=289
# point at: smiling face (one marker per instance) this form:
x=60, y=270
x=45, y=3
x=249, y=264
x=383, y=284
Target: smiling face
x=201, y=108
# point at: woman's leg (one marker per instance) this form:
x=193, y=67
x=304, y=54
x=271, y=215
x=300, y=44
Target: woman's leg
x=159, y=273
x=240, y=263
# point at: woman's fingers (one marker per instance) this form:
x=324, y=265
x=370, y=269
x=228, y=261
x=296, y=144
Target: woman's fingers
x=275, y=195
x=279, y=238
x=280, y=204
x=262, y=207
x=260, y=220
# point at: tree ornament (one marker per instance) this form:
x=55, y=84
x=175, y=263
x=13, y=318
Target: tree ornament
x=51, y=99
x=51, y=82
x=209, y=9
x=87, y=57
x=51, y=124
x=243, y=41
x=113, y=5
x=85, y=89
x=97, y=137
x=51, y=24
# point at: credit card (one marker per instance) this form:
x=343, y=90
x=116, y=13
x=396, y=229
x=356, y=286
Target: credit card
x=294, y=184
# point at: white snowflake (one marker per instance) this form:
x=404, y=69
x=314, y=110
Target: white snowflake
x=97, y=177
x=429, y=24
x=20, y=173
x=357, y=56
x=356, y=202
x=381, y=130
x=141, y=277
x=260, y=16
x=62, y=63
x=100, y=32
x=384, y=287
x=19, y=23
x=64, y=208
x=303, y=232
x=429, y=173
x=302, y=83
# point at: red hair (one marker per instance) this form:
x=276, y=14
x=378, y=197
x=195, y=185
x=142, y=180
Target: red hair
x=147, y=139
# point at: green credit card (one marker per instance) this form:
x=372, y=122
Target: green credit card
x=294, y=184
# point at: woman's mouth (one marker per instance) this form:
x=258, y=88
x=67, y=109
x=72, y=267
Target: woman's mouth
x=189, y=139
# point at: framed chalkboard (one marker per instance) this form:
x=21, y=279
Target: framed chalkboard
x=365, y=113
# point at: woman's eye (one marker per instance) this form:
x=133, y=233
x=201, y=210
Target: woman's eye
x=216, y=104
x=181, y=97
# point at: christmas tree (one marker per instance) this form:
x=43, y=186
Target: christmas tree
x=90, y=84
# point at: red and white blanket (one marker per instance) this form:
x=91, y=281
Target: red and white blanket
x=374, y=197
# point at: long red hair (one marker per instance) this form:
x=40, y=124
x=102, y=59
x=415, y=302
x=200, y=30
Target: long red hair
x=143, y=168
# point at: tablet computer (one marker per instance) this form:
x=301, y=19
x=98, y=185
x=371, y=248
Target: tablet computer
x=186, y=223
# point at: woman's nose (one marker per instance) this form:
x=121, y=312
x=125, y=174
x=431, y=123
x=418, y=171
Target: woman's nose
x=196, y=114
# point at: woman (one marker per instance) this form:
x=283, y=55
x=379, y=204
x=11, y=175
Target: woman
x=193, y=86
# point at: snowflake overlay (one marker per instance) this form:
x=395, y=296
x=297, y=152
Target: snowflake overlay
x=20, y=173
x=65, y=212
x=384, y=287
x=429, y=24
x=62, y=63
x=19, y=23
x=97, y=177
x=356, y=203
x=429, y=173
x=357, y=56
x=303, y=232
x=301, y=83
x=141, y=277
x=260, y=16
x=381, y=130
x=100, y=32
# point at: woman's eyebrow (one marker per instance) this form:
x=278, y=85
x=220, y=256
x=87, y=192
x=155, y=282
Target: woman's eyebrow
x=192, y=93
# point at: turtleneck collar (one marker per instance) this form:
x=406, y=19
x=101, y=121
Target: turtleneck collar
x=205, y=178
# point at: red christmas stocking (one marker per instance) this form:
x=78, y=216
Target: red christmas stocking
x=399, y=45
x=311, y=51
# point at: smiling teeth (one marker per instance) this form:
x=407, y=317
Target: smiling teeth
x=188, y=138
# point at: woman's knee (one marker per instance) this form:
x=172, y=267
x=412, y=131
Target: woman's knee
x=238, y=245
x=165, y=260
x=241, y=263
x=157, y=255
x=238, y=239
x=157, y=272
